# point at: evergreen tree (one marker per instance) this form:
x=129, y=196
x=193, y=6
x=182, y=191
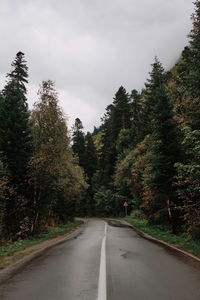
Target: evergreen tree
x=137, y=129
x=195, y=51
x=178, y=85
x=96, y=130
x=188, y=174
x=1, y=99
x=118, y=117
x=90, y=169
x=15, y=130
x=90, y=157
x=194, y=72
x=78, y=139
x=156, y=76
x=135, y=103
x=155, y=81
x=4, y=192
x=121, y=113
x=15, y=143
x=108, y=151
x=135, y=132
x=164, y=152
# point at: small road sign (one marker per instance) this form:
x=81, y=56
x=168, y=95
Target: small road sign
x=125, y=206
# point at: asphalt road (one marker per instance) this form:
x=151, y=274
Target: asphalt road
x=106, y=262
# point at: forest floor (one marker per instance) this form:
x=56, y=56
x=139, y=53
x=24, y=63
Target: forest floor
x=11, y=252
x=180, y=241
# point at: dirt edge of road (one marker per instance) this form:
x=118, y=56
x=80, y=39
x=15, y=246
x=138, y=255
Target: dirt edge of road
x=35, y=251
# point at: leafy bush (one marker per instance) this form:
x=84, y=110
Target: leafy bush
x=109, y=203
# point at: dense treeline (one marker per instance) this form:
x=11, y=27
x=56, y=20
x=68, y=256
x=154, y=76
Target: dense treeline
x=40, y=180
x=148, y=146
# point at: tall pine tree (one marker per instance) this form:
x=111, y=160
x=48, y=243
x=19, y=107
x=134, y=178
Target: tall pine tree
x=15, y=130
x=78, y=139
x=118, y=117
x=15, y=144
x=194, y=70
x=163, y=153
x=195, y=51
x=90, y=157
x=155, y=80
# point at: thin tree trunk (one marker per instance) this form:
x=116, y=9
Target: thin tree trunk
x=172, y=220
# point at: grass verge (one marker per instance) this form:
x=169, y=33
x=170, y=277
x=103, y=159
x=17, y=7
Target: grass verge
x=11, y=252
x=180, y=241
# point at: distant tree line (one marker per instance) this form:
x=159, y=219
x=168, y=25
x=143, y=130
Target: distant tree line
x=40, y=180
x=147, y=149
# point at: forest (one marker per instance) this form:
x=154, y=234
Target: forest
x=146, y=152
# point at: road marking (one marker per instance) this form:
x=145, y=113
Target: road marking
x=102, y=292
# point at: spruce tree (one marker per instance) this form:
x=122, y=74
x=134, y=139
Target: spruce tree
x=15, y=130
x=121, y=113
x=108, y=149
x=15, y=144
x=90, y=157
x=156, y=76
x=137, y=130
x=78, y=139
x=163, y=153
x=155, y=80
x=194, y=69
x=118, y=117
x=195, y=50
x=90, y=169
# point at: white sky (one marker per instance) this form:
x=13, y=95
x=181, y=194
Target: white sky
x=89, y=48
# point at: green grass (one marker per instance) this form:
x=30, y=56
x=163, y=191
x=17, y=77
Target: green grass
x=180, y=241
x=11, y=248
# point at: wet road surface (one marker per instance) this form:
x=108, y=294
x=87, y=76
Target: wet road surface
x=106, y=262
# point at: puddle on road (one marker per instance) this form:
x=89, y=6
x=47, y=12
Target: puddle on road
x=173, y=252
x=117, y=223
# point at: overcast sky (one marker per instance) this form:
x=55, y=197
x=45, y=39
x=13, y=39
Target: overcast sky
x=89, y=48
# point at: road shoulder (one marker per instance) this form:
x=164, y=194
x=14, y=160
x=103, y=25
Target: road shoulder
x=161, y=242
x=35, y=251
